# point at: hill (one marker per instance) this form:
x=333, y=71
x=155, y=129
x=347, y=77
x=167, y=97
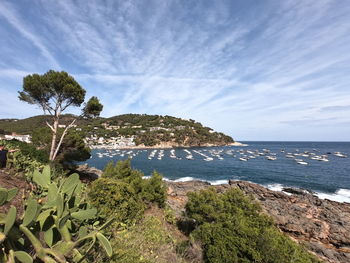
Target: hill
x=129, y=130
x=28, y=125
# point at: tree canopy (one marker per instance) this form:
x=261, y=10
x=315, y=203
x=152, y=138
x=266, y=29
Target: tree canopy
x=53, y=91
x=92, y=108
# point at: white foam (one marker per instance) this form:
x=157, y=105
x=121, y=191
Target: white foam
x=188, y=178
x=275, y=187
x=344, y=192
x=217, y=182
x=341, y=195
x=185, y=179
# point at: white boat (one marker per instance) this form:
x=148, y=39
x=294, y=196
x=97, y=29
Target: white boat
x=189, y=157
x=271, y=158
x=303, y=163
x=341, y=155
x=316, y=157
x=323, y=160
x=243, y=159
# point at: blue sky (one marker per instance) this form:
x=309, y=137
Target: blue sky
x=257, y=70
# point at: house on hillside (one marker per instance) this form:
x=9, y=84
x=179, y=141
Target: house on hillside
x=180, y=127
x=23, y=138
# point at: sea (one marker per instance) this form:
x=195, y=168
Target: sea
x=217, y=165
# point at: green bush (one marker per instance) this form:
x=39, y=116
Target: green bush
x=122, y=191
x=26, y=159
x=154, y=189
x=28, y=150
x=232, y=228
x=120, y=170
x=117, y=198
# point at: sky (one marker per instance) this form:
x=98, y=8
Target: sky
x=257, y=70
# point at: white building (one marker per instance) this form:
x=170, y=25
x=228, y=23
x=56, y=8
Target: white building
x=22, y=138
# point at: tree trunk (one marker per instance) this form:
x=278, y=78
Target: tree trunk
x=54, y=138
x=61, y=139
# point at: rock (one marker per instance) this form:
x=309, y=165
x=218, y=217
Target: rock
x=295, y=191
x=91, y=172
x=323, y=225
x=177, y=194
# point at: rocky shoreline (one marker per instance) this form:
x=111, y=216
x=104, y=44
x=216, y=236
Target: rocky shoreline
x=323, y=226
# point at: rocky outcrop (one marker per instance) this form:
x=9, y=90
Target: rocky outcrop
x=322, y=225
x=87, y=171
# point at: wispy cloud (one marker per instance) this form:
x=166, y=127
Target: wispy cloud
x=251, y=69
x=336, y=108
x=9, y=13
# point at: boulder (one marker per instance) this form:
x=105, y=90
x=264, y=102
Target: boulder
x=91, y=172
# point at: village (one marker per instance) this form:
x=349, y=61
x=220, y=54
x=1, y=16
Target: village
x=117, y=142
x=95, y=140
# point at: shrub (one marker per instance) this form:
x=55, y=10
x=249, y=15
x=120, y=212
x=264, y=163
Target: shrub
x=26, y=159
x=117, y=198
x=27, y=150
x=232, y=228
x=121, y=170
x=154, y=190
x=122, y=191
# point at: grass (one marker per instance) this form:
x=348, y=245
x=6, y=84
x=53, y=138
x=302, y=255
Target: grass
x=153, y=240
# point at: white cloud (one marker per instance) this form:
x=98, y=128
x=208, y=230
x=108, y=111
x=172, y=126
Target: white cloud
x=9, y=13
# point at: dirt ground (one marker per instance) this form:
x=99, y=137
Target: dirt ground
x=10, y=181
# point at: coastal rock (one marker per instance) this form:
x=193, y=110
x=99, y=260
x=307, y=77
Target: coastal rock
x=177, y=197
x=296, y=191
x=91, y=172
x=322, y=225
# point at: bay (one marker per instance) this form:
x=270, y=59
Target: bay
x=329, y=179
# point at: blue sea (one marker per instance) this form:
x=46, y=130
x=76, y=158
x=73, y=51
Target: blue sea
x=328, y=179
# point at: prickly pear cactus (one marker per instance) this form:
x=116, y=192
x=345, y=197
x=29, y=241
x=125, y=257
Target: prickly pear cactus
x=56, y=225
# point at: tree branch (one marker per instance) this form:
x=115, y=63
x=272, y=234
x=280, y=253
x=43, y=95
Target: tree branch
x=61, y=139
x=52, y=129
x=66, y=106
x=47, y=106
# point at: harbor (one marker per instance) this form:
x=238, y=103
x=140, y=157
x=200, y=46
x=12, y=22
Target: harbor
x=317, y=166
x=208, y=155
